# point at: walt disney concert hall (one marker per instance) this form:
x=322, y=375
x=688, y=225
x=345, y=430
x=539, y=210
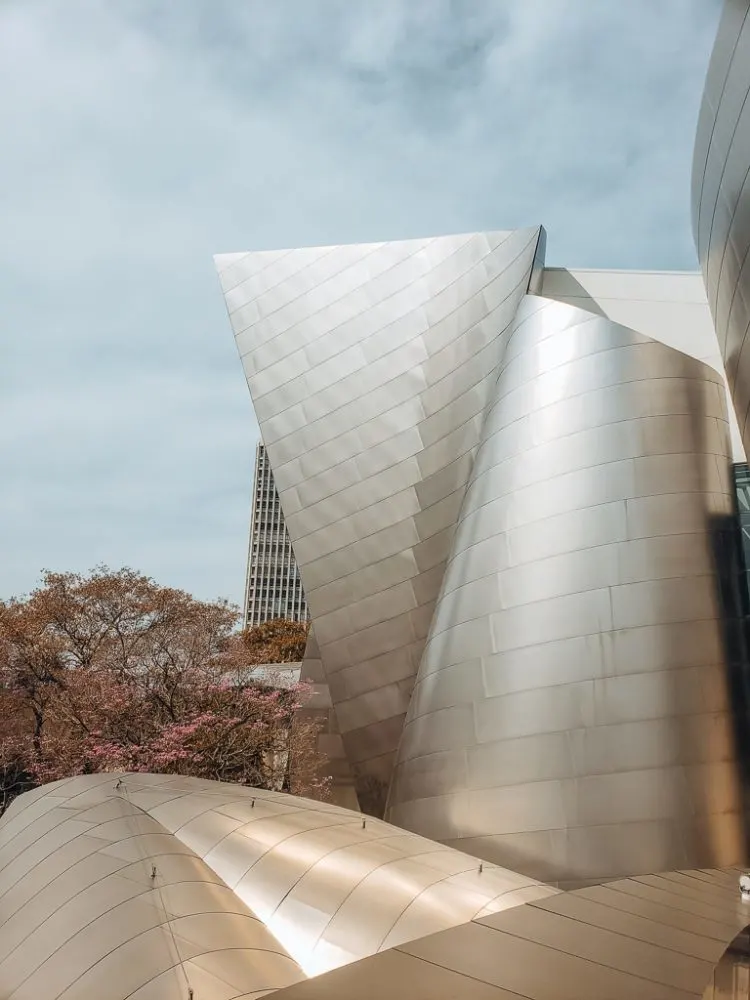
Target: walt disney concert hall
x=519, y=502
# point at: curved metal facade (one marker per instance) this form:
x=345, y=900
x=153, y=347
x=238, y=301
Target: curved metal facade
x=571, y=713
x=253, y=890
x=657, y=937
x=81, y=916
x=370, y=368
x=721, y=199
x=530, y=506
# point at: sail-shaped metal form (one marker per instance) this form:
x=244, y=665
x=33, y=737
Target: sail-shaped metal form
x=370, y=369
x=526, y=508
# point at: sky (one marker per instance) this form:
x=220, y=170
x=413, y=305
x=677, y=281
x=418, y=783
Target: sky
x=140, y=138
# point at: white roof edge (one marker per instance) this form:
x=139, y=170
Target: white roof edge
x=624, y=270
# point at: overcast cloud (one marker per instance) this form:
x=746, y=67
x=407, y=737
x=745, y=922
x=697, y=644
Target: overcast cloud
x=139, y=138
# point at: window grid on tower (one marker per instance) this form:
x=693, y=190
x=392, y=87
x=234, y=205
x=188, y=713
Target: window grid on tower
x=273, y=587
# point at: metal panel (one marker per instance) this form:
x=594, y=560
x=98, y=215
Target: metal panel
x=83, y=913
x=427, y=921
x=575, y=675
x=530, y=968
x=567, y=947
x=254, y=889
x=669, y=307
x=329, y=740
x=370, y=368
x=721, y=199
x=394, y=974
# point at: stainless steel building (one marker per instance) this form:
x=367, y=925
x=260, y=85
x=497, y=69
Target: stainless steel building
x=519, y=500
x=509, y=489
x=157, y=887
x=151, y=886
x=509, y=492
x=571, y=711
x=273, y=588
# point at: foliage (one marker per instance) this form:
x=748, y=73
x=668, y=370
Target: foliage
x=278, y=641
x=111, y=672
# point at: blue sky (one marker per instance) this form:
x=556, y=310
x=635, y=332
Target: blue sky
x=139, y=138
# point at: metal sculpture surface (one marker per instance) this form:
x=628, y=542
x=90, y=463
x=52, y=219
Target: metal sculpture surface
x=370, y=368
x=525, y=509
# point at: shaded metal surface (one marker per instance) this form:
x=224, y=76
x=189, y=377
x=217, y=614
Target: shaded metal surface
x=721, y=198
x=572, y=714
x=260, y=884
x=330, y=744
x=658, y=937
x=731, y=978
x=370, y=367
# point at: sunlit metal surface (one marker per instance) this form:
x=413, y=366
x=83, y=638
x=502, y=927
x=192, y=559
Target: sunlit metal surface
x=81, y=916
x=268, y=885
x=142, y=887
x=571, y=714
x=655, y=937
x=721, y=198
x=370, y=367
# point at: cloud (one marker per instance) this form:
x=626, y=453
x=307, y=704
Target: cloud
x=141, y=138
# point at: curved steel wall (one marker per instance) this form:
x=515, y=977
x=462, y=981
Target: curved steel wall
x=571, y=711
x=721, y=199
x=245, y=879
x=370, y=367
x=81, y=917
x=657, y=937
x=76, y=859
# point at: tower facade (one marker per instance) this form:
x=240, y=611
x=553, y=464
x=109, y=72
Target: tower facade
x=273, y=588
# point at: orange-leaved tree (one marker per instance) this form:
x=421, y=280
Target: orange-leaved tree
x=110, y=672
x=280, y=640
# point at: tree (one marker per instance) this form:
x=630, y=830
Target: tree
x=111, y=672
x=280, y=640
